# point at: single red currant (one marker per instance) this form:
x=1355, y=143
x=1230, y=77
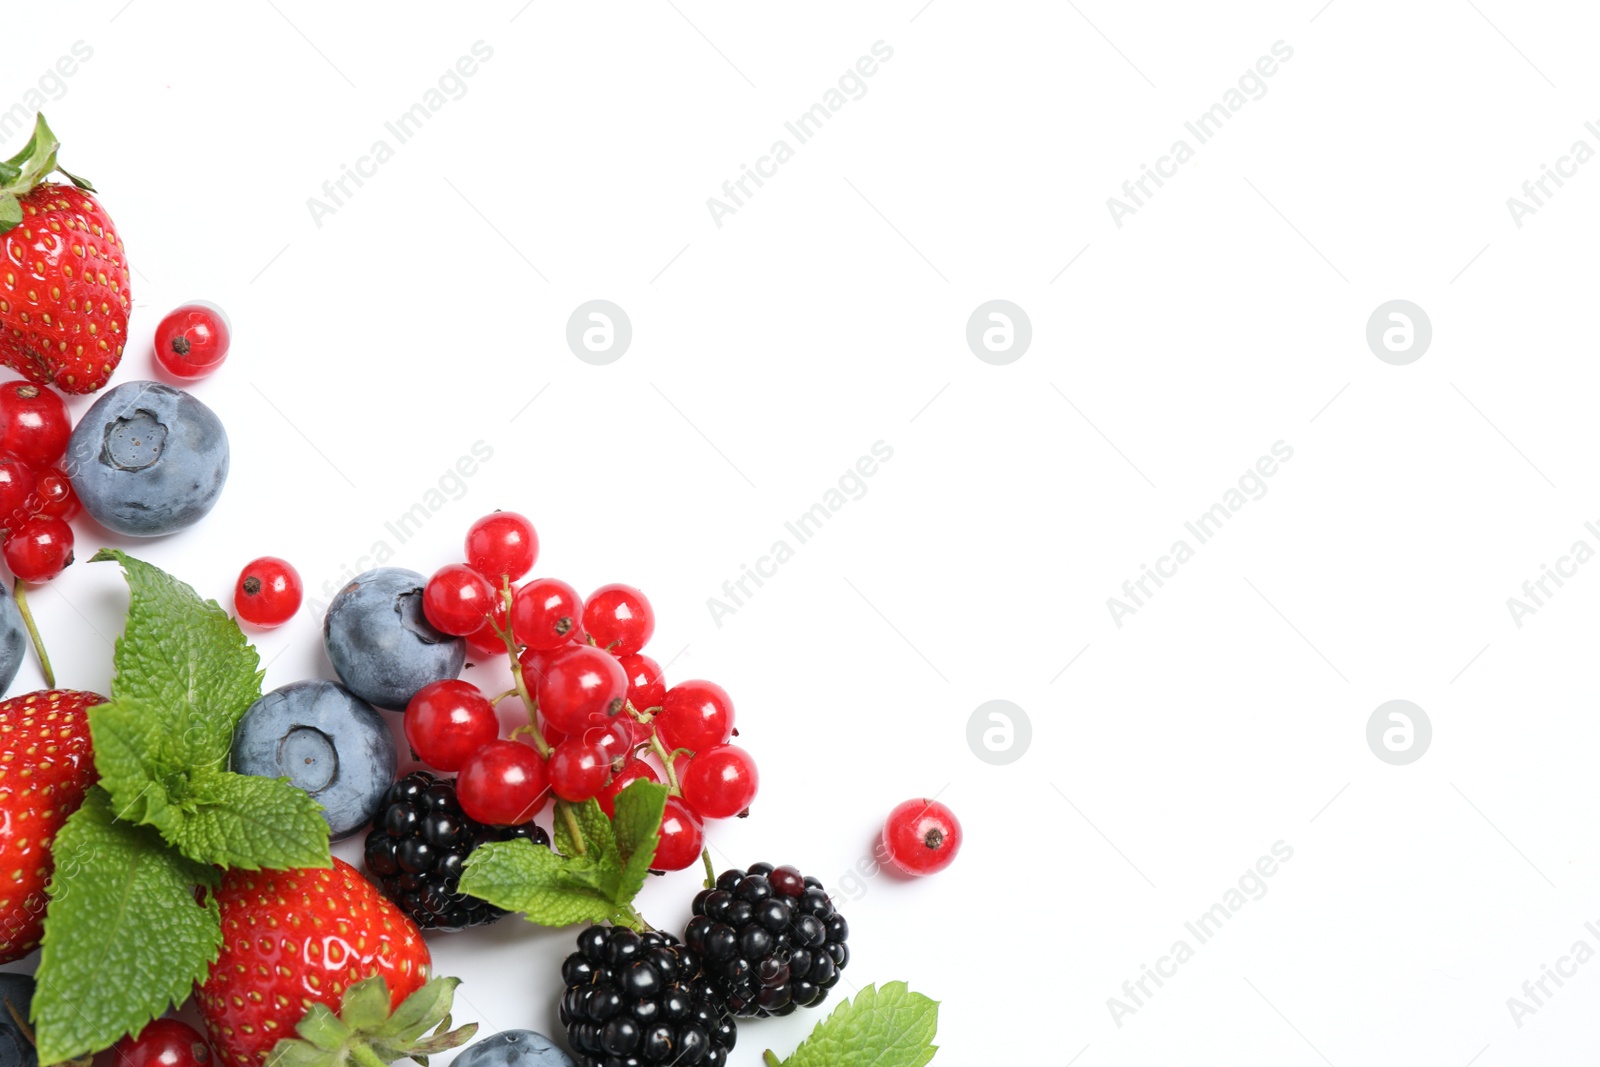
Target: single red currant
x=545, y=612
x=18, y=491
x=457, y=600
x=578, y=770
x=54, y=495
x=502, y=545
x=720, y=782
x=619, y=619
x=164, y=1043
x=646, y=690
x=502, y=784
x=616, y=739
x=34, y=424
x=39, y=549
x=268, y=592
x=192, y=341
x=695, y=715
x=485, y=641
x=581, y=687
x=449, y=720
x=921, y=837
x=620, y=780
x=682, y=838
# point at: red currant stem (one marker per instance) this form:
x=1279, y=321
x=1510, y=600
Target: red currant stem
x=521, y=688
x=711, y=872
x=666, y=762
x=573, y=828
x=770, y=1059
x=495, y=701
x=21, y=598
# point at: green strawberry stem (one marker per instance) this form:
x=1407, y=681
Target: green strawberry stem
x=21, y=597
x=24, y=171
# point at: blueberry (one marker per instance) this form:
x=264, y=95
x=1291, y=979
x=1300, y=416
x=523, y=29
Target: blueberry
x=15, y=1048
x=13, y=645
x=148, y=459
x=511, y=1048
x=379, y=642
x=325, y=740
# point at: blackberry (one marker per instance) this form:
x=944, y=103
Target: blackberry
x=639, y=999
x=770, y=939
x=419, y=841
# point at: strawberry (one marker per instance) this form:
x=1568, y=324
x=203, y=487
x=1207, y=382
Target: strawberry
x=298, y=938
x=64, y=294
x=46, y=765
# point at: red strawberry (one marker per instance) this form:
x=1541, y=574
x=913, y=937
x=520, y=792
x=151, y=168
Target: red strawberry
x=64, y=294
x=46, y=765
x=291, y=939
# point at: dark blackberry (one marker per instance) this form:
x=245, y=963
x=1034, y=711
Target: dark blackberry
x=419, y=841
x=770, y=939
x=639, y=999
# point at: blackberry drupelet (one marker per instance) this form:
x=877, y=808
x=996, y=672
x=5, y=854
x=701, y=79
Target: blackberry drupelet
x=770, y=939
x=633, y=1000
x=419, y=841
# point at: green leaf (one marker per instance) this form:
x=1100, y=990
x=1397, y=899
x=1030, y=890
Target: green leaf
x=123, y=938
x=637, y=828
x=130, y=752
x=236, y=820
x=519, y=875
x=10, y=209
x=186, y=662
x=887, y=1027
x=598, y=841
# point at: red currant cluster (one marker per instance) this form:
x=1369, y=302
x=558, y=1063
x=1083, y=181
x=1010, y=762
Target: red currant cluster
x=599, y=713
x=37, y=503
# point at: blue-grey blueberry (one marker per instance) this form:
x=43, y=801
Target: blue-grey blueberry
x=380, y=644
x=325, y=740
x=514, y=1048
x=13, y=643
x=148, y=459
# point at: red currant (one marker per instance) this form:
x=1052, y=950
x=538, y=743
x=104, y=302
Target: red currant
x=502, y=545
x=695, y=715
x=268, y=592
x=34, y=424
x=682, y=838
x=485, y=641
x=646, y=690
x=192, y=341
x=921, y=837
x=18, y=490
x=39, y=549
x=164, y=1043
x=619, y=619
x=502, y=784
x=621, y=780
x=578, y=770
x=582, y=687
x=54, y=495
x=449, y=720
x=457, y=600
x=720, y=782
x=545, y=612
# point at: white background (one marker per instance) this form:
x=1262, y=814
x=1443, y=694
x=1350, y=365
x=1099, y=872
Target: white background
x=428, y=313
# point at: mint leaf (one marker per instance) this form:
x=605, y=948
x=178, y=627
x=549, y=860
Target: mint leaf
x=236, y=820
x=130, y=752
x=123, y=936
x=887, y=1027
x=548, y=889
x=598, y=841
x=186, y=661
x=637, y=828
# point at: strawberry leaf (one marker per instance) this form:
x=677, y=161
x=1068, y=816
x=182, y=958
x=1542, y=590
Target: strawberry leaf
x=124, y=936
x=887, y=1027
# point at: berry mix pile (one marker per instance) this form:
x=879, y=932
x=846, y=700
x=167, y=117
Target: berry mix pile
x=171, y=839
